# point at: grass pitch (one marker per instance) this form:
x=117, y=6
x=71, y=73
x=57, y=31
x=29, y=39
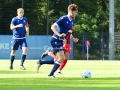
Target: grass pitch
x=105, y=76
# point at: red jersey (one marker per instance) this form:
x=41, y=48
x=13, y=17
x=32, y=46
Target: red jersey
x=67, y=37
x=87, y=43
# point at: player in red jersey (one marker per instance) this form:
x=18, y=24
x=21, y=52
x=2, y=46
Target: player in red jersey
x=67, y=49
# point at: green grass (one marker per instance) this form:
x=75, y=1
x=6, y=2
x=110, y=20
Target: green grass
x=105, y=76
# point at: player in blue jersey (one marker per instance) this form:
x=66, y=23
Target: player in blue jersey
x=65, y=24
x=20, y=30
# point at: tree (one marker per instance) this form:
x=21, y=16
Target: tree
x=95, y=19
x=117, y=15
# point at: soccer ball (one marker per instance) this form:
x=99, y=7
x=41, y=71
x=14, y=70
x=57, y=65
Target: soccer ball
x=86, y=73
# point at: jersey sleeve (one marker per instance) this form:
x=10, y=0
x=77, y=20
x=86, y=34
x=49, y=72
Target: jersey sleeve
x=13, y=21
x=60, y=20
x=26, y=22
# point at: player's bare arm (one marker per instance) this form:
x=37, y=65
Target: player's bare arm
x=53, y=28
x=27, y=31
x=74, y=39
x=12, y=27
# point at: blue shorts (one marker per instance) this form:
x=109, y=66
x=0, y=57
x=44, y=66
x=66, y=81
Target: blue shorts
x=57, y=45
x=15, y=43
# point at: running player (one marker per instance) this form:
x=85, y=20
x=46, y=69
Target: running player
x=20, y=29
x=67, y=49
x=65, y=24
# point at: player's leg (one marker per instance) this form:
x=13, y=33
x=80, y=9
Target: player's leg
x=45, y=53
x=61, y=66
x=24, y=53
x=60, y=58
x=67, y=49
x=14, y=47
x=63, y=63
x=52, y=55
x=41, y=62
x=23, y=57
x=12, y=57
x=48, y=52
x=85, y=55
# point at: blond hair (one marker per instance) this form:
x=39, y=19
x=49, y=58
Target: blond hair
x=21, y=9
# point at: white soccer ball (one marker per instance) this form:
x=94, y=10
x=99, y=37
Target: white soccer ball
x=86, y=73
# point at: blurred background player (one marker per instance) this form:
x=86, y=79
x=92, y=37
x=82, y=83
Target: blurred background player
x=20, y=29
x=65, y=24
x=67, y=49
x=86, y=48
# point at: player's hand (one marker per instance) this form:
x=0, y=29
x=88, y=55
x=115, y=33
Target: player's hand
x=20, y=25
x=62, y=35
x=75, y=40
x=65, y=41
x=27, y=34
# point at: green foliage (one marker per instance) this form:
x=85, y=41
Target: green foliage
x=94, y=20
x=93, y=15
x=91, y=18
x=117, y=15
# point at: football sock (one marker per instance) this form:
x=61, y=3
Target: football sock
x=62, y=64
x=23, y=57
x=51, y=61
x=52, y=55
x=55, y=67
x=12, y=57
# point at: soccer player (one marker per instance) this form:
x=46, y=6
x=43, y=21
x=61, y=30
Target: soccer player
x=65, y=24
x=20, y=29
x=86, y=48
x=67, y=49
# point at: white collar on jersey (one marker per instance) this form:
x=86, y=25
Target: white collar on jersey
x=69, y=18
x=20, y=18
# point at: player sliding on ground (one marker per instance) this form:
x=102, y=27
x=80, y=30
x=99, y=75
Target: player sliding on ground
x=67, y=50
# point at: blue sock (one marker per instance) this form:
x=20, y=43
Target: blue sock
x=55, y=67
x=12, y=57
x=51, y=61
x=23, y=57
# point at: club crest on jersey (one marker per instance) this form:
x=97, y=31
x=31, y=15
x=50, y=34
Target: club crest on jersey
x=55, y=42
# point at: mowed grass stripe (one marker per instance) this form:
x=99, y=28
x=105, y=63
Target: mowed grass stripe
x=105, y=76
x=61, y=83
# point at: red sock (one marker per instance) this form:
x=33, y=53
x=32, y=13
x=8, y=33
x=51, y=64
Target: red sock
x=62, y=64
